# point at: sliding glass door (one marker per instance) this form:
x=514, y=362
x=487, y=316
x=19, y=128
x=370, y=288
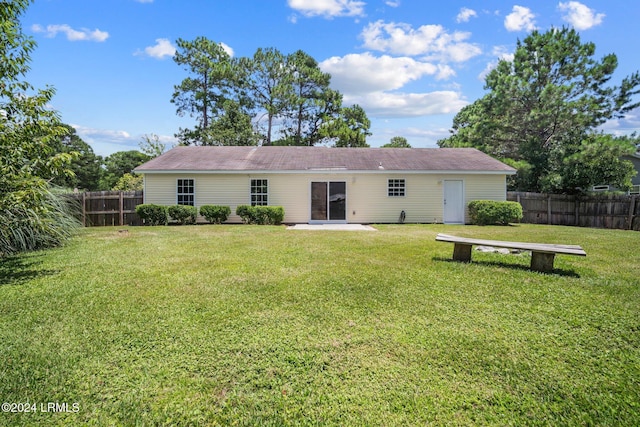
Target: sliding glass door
x=329, y=201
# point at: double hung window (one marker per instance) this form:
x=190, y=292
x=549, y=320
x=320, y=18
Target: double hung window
x=186, y=192
x=259, y=192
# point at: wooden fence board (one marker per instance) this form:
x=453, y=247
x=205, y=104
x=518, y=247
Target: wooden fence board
x=102, y=208
x=598, y=211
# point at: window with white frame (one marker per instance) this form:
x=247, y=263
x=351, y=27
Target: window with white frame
x=396, y=188
x=259, y=192
x=186, y=192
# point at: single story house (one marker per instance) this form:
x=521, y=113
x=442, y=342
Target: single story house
x=329, y=185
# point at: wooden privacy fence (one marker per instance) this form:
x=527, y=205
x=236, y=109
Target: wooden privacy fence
x=597, y=211
x=100, y=208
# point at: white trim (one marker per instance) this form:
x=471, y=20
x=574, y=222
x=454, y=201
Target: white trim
x=329, y=172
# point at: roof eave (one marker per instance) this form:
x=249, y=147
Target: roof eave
x=325, y=171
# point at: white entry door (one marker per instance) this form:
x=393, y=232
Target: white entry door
x=453, y=202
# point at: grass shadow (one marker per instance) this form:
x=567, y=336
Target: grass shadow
x=17, y=270
x=518, y=267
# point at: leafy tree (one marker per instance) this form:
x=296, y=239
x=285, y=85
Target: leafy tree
x=152, y=146
x=202, y=94
x=543, y=105
x=120, y=163
x=350, y=129
x=311, y=100
x=397, y=142
x=233, y=127
x=597, y=160
x=31, y=215
x=86, y=166
x=129, y=182
x=268, y=86
x=286, y=97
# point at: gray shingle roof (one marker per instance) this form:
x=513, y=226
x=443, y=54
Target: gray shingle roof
x=236, y=159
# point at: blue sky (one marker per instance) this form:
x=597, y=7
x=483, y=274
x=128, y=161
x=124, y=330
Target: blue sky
x=411, y=64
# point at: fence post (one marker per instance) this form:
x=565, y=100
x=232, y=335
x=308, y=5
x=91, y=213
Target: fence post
x=121, y=206
x=631, y=211
x=84, y=209
x=549, y=210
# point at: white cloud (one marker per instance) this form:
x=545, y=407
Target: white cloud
x=625, y=126
x=521, y=18
x=144, y=1
x=72, y=35
x=383, y=104
x=328, y=8
x=105, y=141
x=465, y=14
x=368, y=80
x=116, y=136
x=160, y=50
x=363, y=73
x=392, y=3
x=502, y=54
x=580, y=16
x=164, y=48
x=227, y=49
x=433, y=41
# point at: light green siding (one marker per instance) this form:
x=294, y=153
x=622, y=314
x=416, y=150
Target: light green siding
x=367, y=196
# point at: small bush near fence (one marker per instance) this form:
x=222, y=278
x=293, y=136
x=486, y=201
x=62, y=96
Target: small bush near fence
x=488, y=212
x=262, y=215
x=215, y=213
x=183, y=214
x=153, y=214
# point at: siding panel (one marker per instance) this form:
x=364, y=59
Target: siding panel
x=367, y=198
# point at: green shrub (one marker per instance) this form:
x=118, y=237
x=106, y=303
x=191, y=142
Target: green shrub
x=273, y=215
x=244, y=212
x=183, y=214
x=488, y=212
x=152, y=214
x=215, y=213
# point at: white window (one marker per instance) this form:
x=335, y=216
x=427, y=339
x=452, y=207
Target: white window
x=259, y=192
x=396, y=188
x=186, y=192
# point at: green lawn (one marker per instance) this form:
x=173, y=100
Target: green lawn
x=257, y=325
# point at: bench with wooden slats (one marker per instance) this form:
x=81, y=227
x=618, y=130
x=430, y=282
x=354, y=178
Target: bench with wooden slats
x=542, y=254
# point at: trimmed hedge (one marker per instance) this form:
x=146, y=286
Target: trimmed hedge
x=183, y=214
x=263, y=215
x=490, y=212
x=153, y=214
x=215, y=213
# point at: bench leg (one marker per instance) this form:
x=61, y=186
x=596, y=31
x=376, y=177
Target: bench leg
x=541, y=261
x=461, y=252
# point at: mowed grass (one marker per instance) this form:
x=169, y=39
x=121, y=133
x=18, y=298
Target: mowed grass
x=257, y=325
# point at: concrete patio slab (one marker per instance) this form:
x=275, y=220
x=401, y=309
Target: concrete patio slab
x=333, y=227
